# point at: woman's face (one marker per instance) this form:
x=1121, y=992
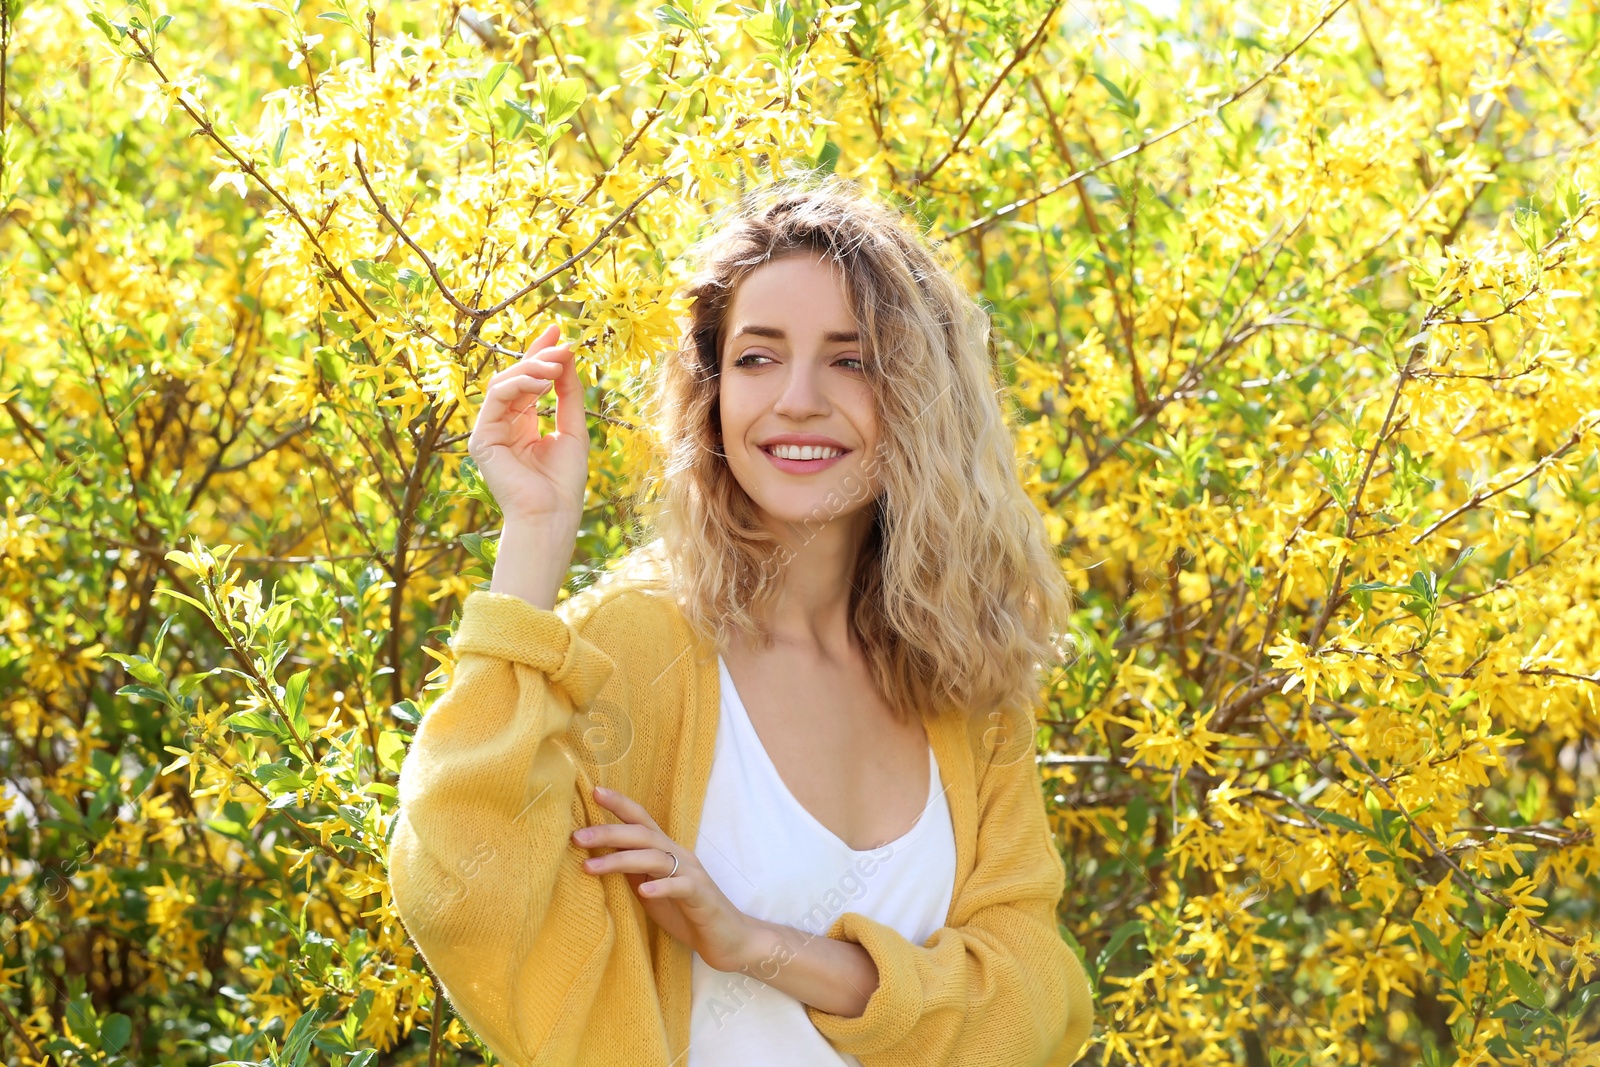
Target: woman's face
x=799, y=421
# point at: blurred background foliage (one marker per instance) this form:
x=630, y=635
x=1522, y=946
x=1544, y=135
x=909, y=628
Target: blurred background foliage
x=1295, y=307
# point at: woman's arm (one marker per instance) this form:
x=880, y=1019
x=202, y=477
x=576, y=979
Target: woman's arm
x=997, y=987
x=482, y=873
x=481, y=869
x=532, y=560
x=837, y=977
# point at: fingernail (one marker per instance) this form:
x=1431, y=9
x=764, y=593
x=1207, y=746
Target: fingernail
x=582, y=835
x=601, y=791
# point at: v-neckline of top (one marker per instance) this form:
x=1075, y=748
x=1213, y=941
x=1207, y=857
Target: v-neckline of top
x=725, y=677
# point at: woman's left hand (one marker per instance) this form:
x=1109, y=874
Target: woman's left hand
x=688, y=905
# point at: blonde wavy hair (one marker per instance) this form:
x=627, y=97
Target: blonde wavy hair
x=958, y=596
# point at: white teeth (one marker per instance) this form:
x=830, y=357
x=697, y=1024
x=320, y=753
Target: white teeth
x=805, y=452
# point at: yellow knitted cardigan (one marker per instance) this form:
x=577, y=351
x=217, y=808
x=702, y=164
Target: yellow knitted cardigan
x=549, y=964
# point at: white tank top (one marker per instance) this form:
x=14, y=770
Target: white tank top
x=776, y=862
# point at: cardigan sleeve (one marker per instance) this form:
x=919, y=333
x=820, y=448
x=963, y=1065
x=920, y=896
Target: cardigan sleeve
x=484, y=875
x=1000, y=988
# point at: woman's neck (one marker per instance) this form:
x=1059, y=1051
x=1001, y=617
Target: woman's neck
x=812, y=605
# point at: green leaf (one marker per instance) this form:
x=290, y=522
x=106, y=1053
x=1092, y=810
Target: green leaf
x=1431, y=942
x=114, y=1033
x=406, y=711
x=337, y=325
x=670, y=15
x=80, y=1021
x=1523, y=985
x=294, y=702
x=513, y=119
x=562, y=100
x=828, y=157
x=277, y=778
x=765, y=31
x=1138, y=817
x=1121, y=97
x=1379, y=587
x=1581, y=999
x=346, y=841
x=380, y=274
x=1345, y=823
x=480, y=548
x=114, y=36
x=1129, y=929
x=391, y=749
x=148, y=673
x=1379, y=823
x=254, y=722
x=161, y=638
x=297, y=1043
x=489, y=84
x=1459, y=957
x=228, y=827
x=1066, y=935
x=1111, y=87
x=1528, y=801
x=145, y=692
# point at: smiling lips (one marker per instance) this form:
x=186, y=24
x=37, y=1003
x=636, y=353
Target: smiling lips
x=796, y=454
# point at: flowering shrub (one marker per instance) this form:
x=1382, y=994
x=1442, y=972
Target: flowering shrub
x=1295, y=310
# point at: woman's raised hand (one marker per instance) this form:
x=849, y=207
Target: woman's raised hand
x=535, y=477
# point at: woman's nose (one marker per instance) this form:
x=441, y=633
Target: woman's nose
x=802, y=391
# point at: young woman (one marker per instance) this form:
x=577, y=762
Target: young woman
x=765, y=794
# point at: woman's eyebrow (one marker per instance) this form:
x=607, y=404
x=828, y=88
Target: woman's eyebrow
x=773, y=331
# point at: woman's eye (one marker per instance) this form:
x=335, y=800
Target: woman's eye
x=853, y=359
x=743, y=361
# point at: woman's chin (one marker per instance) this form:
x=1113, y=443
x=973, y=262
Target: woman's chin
x=809, y=513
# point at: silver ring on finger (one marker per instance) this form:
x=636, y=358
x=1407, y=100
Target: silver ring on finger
x=674, y=870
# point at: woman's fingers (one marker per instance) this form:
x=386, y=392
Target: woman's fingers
x=508, y=398
x=678, y=886
x=625, y=807
x=513, y=387
x=654, y=862
x=510, y=392
x=570, y=418
x=551, y=332
x=623, y=835
x=536, y=366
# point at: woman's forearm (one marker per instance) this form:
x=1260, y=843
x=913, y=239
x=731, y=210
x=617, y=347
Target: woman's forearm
x=837, y=977
x=532, y=559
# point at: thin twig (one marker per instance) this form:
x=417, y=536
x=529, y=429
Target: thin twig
x=11, y=1020
x=1131, y=150
x=999, y=80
